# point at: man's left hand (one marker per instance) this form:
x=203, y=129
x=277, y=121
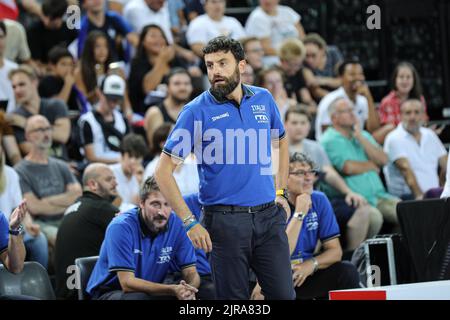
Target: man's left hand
x=302, y=271
x=282, y=202
x=18, y=215
x=355, y=200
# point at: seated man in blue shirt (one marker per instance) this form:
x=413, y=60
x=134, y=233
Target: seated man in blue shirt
x=313, y=220
x=206, y=291
x=139, y=246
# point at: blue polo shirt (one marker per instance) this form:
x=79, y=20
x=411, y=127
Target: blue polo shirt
x=203, y=267
x=4, y=233
x=319, y=223
x=129, y=247
x=231, y=144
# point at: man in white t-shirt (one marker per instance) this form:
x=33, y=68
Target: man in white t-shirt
x=133, y=150
x=139, y=13
x=212, y=24
x=273, y=24
x=415, y=153
x=353, y=89
x=7, y=101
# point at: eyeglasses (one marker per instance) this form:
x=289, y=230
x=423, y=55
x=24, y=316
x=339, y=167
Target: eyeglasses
x=42, y=130
x=345, y=111
x=302, y=173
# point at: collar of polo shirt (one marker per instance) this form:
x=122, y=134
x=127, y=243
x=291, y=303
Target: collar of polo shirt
x=246, y=90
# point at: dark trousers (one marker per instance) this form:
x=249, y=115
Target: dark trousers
x=120, y=295
x=243, y=240
x=339, y=276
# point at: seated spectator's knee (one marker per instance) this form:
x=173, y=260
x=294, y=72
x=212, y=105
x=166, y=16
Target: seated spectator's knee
x=376, y=222
x=360, y=218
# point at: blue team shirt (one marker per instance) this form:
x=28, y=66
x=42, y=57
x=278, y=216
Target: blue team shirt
x=203, y=267
x=127, y=248
x=320, y=223
x=230, y=172
x=4, y=233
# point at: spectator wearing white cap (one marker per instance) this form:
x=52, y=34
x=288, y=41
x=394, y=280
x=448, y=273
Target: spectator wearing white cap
x=103, y=128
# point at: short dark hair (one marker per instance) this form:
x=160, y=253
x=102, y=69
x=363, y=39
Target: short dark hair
x=175, y=71
x=54, y=8
x=345, y=63
x=225, y=44
x=297, y=109
x=260, y=77
x=149, y=186
x=247, y=40
x=3, y=26
x=161, y=133
x=134, y=145
x=302, y=158
x=57, y=53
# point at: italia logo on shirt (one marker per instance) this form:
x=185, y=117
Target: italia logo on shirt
x=164, y=256
x=259, y=111
x=312, y=221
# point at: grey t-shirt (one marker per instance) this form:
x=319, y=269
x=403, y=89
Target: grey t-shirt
x=44, y=180
x=52, y=109
x=315, y=151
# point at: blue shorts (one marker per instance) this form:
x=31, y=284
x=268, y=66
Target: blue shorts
x=343, y=211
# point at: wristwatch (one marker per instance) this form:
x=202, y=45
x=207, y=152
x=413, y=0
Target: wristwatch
x=316, y=264
x=283, y=193
x=299, y=215
x=16, y=232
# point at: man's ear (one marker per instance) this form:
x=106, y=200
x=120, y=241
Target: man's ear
x=141, y=204
x=92, y=184
x=241, y=66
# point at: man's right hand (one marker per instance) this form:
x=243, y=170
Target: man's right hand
x=303, y=203
x=184, y=292
x=200, y=238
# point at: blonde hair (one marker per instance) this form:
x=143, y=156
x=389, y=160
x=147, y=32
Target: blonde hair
x=25, y=69
x=291, y=48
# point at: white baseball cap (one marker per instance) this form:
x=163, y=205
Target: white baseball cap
x=113, y=87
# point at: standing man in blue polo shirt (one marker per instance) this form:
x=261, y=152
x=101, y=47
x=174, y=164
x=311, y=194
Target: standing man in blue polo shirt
x=138, y=249
x=230, y=128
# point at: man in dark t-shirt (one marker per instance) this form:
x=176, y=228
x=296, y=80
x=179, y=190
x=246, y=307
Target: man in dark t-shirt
x=84, y=224
x=25, y=84
x=60, y=82
x=51, y=31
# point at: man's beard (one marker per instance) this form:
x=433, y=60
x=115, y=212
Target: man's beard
x=152, y=227
x=179, y=101
x=106, y=194
x=222, y=90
